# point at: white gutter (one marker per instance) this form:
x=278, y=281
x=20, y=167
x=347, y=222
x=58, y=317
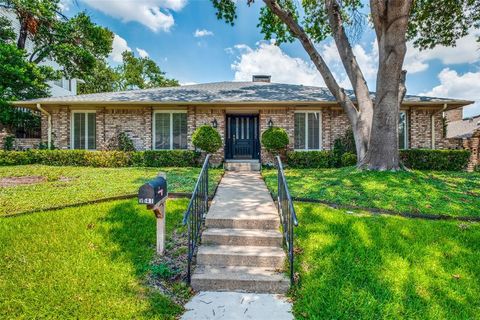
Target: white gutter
x=445, y=105
x=49, y=124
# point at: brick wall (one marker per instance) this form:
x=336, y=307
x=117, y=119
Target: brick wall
x=283, y=118
x=136, y=123
x=27, y=143
x=3, y=135
x=420, y=131
x=202, y=116
x=473, y=144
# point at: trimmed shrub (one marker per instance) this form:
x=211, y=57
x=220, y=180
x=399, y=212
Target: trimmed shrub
x=12, y=158
x=348, y=159
x=164, y=158
x=167, y=158
x=207, y=139
x=418, y=159
x=275, y=139
x=311, y=159
x=441, y=160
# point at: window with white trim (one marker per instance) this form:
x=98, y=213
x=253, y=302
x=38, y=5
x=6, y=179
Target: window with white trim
x=402, y=130
x=170, y=130
x=83, y=130
x=308, y=130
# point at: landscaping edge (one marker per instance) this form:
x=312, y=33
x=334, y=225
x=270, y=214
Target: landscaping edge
x=426, y=216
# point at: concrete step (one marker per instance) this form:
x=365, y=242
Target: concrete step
x=239, y=278
x=265, y=222
x=242, y=166
x=242, y=237
x=250, y=256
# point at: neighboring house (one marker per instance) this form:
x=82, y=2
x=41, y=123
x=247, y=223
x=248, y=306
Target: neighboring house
x=165, y=118
x=467, y=133
x=463, y=128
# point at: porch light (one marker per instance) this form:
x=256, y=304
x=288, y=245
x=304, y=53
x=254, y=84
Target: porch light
x=214, y=123
x=270, y=123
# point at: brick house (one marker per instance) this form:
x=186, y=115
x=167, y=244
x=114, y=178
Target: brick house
x=165, y=118
x=466, y=131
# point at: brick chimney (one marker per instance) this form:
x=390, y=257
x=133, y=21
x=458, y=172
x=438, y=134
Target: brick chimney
x=261, y=78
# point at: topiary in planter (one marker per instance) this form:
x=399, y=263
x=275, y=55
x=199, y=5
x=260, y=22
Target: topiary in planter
x=275, y=140
x=206, y=138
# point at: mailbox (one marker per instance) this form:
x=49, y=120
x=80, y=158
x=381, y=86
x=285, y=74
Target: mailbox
x=153, y=192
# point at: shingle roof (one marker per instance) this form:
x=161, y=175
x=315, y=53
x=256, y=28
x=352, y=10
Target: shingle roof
x=219, y=92
x=463, y=128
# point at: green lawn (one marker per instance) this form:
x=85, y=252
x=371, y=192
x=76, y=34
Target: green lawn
x=88, y=262
x=363, y=266
x=70, y=185
x=427, y=192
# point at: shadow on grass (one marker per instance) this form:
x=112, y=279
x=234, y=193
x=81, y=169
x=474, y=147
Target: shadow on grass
x=370, y=267
x=133, y=229
x=428, y=192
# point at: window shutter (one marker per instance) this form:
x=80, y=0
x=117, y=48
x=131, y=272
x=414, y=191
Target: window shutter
x=179, y=130
x=91, y=120
x=313, y=131
x=162, y=131
x=299, y=131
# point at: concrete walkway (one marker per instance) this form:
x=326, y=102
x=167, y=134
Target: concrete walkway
x=237, y=272
x=236, y=305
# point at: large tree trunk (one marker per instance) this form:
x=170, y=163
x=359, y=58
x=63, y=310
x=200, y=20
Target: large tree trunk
x=22, y=35
x=390, y=19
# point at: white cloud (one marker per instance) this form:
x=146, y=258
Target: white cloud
x=454, y=85
x=142, y=53
x=154, y=14
x=188, y=83
x=466, y=51
x=269, y=59
x=65, y=5
x=119, y=45
x=202, y=33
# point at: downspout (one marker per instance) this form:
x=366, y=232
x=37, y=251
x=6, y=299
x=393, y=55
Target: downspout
x=433, y=123
x=49, y=125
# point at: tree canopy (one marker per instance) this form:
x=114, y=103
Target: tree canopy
x=133, y=73
x=75, y=43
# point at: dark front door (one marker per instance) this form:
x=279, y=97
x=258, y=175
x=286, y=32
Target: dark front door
x=242, y=137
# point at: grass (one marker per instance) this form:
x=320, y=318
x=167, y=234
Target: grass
x=361, y=266
x=423, y=192
x=71, y=185
x=88, y=262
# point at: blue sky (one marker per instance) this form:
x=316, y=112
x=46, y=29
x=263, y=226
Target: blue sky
x=188, y=42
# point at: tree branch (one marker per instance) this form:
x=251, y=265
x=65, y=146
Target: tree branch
x=347, y=56
x=320, y=64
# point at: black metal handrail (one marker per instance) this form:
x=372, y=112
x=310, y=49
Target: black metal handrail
x=288, y=218
x=195, y=214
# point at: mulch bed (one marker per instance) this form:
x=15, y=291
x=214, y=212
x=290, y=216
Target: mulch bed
x=168, y=272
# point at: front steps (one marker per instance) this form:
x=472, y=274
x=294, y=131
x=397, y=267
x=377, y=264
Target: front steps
x=239, y=237
x=242, y=246
x=242, y=165
x=238, y=278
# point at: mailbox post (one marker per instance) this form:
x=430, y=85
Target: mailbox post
x=154, y=194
